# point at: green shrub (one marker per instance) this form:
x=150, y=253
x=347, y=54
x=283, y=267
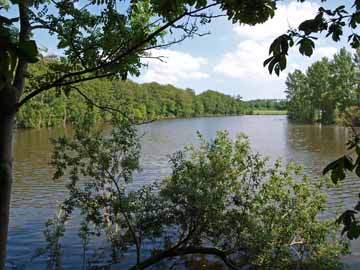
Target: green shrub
x=220, y=200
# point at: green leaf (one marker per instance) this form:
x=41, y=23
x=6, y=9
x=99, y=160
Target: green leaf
x=347, y=217
x=272, y=64
x=337, y=175
x=29, y=51
x=306, y=46
x=275, y=46
x=5, y=4
x=348, y=163
x=308, y=26
x=353, y=231
x=267, y=61
x=357, y=171
x=282, y=62
x=331, y=166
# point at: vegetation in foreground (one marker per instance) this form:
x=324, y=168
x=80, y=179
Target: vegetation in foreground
x=220, y=200
x=111, y=43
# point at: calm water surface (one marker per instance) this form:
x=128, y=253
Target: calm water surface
x=35, y=196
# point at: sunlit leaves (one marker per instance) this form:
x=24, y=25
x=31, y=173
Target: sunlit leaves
x=4, y=4
x=218, y=194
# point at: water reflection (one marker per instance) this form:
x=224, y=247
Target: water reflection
x=35, y=195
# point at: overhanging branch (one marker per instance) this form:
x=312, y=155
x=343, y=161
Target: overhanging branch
x=60, y=81
x=171, y=253
x=106, y=108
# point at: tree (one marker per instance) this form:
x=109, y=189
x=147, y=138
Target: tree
x=343, y=74
x=220, y=199
x=110, y=43
x=322, y=93
x=326, y=92
x=332, y=22
x=299, y=105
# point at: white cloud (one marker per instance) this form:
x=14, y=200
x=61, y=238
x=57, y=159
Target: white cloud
x=174, y=67
x=286, y=16
x=246, y=60
x=324, y=52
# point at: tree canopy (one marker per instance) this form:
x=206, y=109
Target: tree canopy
x=99, y=38
x=327, y=92
x=220, y=199
x=139, y=102
x=109, y=38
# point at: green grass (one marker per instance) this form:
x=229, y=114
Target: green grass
x=269, y=112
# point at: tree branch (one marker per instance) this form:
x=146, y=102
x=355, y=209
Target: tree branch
x=109, y=109
x=19, y=78
x=58, y=82
x=171, y=253
x=127, y=218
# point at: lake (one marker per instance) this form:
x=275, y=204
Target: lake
x=35, y=196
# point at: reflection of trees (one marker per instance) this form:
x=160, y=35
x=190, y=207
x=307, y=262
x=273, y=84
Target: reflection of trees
x=32, y=150
x=313, y=147
x=325, y=140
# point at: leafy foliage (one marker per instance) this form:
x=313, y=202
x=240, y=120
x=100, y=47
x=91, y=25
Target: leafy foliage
x=339, y=169
x=268, y=104
x=111, y=39
x=140, y=102
x=220, y=199
x=333, y=22
x=327, y=92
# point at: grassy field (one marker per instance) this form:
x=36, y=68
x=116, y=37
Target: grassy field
x=269, y=112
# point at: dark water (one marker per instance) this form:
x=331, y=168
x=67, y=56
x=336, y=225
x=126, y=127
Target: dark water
x=35, y=196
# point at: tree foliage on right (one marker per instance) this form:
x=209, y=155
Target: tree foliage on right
x=328, y=92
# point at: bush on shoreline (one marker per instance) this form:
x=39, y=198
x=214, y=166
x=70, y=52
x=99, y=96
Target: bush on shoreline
x=220, y=200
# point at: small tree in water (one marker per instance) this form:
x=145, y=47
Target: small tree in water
x=221, y=204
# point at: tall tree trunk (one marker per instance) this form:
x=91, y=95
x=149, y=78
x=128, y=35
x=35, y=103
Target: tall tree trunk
x=9, y=98
x=6, y=129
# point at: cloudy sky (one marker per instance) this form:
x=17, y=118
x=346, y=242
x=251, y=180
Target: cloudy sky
x=230, y=59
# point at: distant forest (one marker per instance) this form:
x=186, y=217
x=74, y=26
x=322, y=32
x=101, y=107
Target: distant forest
x=268, y=104
x=140, y=102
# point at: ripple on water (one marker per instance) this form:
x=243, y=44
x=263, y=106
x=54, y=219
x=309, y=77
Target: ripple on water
x=35, y=196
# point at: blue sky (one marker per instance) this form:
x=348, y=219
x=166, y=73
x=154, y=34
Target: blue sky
x=229, y=60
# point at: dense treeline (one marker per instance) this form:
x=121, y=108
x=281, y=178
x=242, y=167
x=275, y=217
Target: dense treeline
x=268, y=104
x=328, y=92
x=139, y=101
